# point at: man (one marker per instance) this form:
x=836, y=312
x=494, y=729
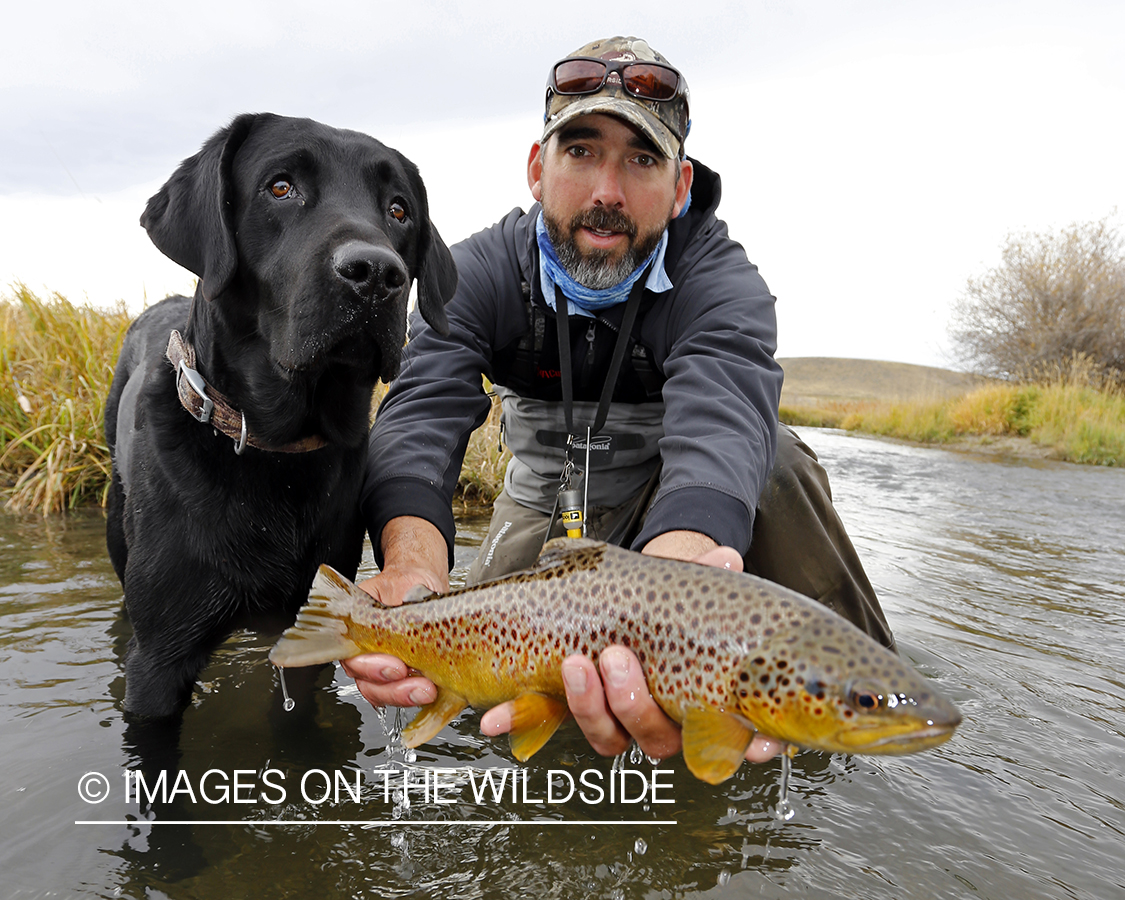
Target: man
x=616, y=319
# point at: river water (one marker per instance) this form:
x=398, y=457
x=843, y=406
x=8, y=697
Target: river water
x=1003, y=580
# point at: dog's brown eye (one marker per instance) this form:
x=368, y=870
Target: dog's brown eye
x=398, y=211
x=281, y=188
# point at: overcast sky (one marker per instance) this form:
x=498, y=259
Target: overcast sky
x=874, y=154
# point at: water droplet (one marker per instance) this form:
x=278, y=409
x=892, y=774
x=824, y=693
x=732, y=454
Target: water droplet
x=784, y=810
x=635, y=755
x=410, y=755
x=640, y=846
x=289, y=703
x=724, y=877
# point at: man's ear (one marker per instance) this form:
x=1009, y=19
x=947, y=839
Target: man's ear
x=535, y=170
x=190, y=219
x=683, y=186
x=434, y=268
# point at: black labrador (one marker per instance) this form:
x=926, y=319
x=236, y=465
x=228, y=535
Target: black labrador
x=237, y=420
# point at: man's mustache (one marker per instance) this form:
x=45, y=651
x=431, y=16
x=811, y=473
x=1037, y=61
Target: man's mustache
x=602, y=219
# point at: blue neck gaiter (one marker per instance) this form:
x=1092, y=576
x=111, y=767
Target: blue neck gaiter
x=586, y=299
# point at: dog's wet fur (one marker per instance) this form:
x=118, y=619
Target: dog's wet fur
x=306, y=240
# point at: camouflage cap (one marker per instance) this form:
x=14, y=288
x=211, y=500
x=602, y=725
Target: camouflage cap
x=664, y=122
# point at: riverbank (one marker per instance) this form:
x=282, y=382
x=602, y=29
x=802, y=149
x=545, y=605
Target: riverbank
x=57, y=359
x=1066, y=417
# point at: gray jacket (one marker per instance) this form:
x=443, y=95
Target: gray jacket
x=712, y=339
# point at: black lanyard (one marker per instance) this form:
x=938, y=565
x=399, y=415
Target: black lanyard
x=562, y=317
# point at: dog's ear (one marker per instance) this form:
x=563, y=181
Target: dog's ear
x=435, y=270
x=190, y=218
x=438, y=279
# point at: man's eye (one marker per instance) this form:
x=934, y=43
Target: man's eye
x=281, y=188
x=645, y=160
x=398, y=211
x=577, y=152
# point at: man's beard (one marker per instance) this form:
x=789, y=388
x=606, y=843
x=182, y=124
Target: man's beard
x=596, y=269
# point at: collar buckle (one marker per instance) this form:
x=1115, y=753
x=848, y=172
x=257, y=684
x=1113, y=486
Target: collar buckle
x=197, y=384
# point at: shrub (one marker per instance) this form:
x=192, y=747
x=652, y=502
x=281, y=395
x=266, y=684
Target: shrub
x=1055, y=302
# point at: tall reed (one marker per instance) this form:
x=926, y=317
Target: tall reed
x=56, y=364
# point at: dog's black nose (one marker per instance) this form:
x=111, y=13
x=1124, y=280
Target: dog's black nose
x=372, y=271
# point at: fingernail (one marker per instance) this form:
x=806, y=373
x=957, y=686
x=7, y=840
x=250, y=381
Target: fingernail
x=419, y=696
x=390, y=673
x=575, y=678
x=616, y=667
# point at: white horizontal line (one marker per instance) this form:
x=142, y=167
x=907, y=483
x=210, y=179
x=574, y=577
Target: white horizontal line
x=395, y=823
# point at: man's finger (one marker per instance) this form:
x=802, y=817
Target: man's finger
x=587, y=703
x=628, y=699
x=385, y=681
x=763, y=749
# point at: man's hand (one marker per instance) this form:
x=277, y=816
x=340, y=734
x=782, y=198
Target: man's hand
x=414, y=553
x=611, y=702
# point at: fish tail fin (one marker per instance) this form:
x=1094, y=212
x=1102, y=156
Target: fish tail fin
x=320, y=633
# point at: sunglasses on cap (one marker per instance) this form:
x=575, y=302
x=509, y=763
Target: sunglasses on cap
x=588, y=75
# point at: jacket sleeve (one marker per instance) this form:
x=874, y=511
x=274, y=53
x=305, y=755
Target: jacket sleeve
x=721, y=395
x=417, y=444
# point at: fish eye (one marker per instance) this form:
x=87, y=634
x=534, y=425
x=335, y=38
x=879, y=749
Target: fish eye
x=865, y=699
x=282, y=188
x=398, y=211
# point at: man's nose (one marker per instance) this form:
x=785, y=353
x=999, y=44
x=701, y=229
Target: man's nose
x=608, y=188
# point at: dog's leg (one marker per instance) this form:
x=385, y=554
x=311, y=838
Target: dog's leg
x=115, y=526
x=158, y=684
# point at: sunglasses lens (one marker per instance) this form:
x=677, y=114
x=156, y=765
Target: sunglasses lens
x=650, y=82
x=579, y=76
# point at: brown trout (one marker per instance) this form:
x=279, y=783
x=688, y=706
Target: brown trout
x=724, y=654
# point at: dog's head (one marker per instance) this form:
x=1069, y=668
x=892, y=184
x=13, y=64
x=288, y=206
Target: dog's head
x=306, y=240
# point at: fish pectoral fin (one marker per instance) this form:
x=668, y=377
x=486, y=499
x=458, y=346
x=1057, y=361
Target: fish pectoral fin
x=433, y=717
x=715, y=743
x=320, y=633
x=535, y=717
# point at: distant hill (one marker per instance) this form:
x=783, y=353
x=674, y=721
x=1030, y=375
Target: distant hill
x=813, y=379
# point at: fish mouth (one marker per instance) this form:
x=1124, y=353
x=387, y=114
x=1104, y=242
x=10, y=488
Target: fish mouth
x=893, y=742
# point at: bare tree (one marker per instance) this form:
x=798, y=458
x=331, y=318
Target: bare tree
x=1054, y=299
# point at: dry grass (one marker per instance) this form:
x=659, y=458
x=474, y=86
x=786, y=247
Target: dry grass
x=56, y=364
x=1071, y=413
x=482, y=473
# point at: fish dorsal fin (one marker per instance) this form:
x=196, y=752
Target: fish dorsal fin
x=433, y=717
x=715, y=743
x=320, y=633
x=535, y=717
